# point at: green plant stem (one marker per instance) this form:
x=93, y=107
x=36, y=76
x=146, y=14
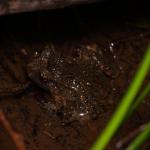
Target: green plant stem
x=140, y=139
x=124, y=106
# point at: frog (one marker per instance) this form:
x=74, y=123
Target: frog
x=76, y=84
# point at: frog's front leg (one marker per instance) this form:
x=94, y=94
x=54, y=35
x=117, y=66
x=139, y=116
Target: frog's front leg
x=36, y=78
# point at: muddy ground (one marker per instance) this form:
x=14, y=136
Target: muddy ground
x=28, y=106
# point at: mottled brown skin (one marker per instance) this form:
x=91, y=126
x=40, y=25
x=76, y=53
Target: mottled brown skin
x=75, y=82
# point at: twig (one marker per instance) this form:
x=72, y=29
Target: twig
x=49, y=135
x=16, y=137
x=129, y=137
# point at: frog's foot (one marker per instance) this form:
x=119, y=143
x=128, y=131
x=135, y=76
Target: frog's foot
x=14, y=90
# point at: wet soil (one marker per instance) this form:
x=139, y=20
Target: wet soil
x=100, y=52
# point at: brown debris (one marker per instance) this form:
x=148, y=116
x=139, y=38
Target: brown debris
x=14, y=6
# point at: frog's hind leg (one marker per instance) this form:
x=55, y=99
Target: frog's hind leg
x=13, y=79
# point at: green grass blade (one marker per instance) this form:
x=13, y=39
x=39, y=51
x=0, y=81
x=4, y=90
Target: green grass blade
x=124, y=106
x=139, y=100
x=140, y=139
